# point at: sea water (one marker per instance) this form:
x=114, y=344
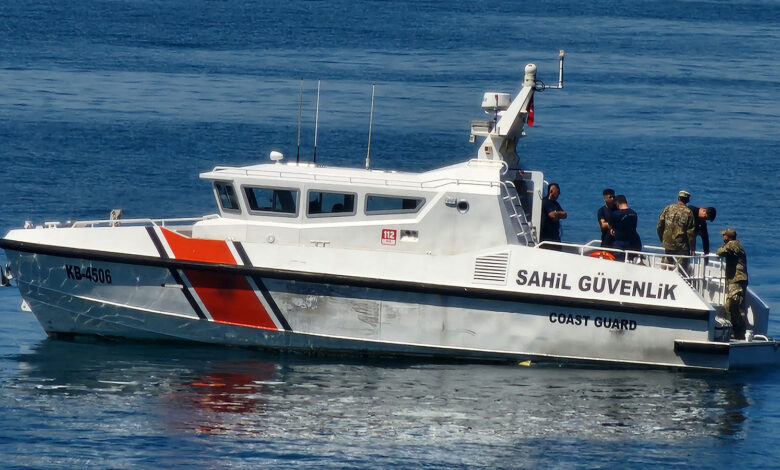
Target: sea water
x=120, y=104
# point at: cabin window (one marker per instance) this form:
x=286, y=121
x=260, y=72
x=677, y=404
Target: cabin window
x=376, y=204
x=322, y=203
x=277, y=200
x=227, y=196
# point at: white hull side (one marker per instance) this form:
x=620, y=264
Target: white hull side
x=146, y=303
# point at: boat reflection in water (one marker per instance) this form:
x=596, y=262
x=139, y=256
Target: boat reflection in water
x=183, y=390
x=221, y=400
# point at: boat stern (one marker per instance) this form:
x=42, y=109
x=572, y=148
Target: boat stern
x=759, y=351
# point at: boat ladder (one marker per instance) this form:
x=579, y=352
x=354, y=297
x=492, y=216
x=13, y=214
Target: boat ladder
x=526, y=231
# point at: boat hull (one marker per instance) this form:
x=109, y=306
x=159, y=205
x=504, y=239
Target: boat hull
x=168, y=301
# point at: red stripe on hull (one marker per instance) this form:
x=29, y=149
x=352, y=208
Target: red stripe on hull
x=230, y=299
x=194, y=249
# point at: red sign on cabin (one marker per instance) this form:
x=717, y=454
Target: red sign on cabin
x=388, y=236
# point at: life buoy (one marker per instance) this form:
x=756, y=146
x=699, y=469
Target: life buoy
x=603, y=255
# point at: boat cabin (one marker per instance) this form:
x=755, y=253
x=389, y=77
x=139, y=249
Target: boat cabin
x=308, y=204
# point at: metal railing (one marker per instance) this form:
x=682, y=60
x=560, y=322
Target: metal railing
x=397, y=181
x=128, y=222
x=703, y=272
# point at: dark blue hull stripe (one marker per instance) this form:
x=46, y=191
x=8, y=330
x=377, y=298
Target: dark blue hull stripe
x=176, y=276
x=263, y=289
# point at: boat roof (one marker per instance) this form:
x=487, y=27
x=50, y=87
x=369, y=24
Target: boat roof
x=473, y=172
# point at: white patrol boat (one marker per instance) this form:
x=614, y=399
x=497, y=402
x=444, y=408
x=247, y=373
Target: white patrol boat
x=442, y=264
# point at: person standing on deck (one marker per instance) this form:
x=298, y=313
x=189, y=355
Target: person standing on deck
x=623, y=222
x=677, y=229
x=603, y=216
x=701, y=216
x=736, y=280
x=552, y=214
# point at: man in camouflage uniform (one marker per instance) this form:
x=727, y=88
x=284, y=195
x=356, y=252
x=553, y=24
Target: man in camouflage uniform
x=736, y=280
x=677, y=229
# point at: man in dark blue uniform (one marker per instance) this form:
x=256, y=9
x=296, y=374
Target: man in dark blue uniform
x=700, y=217
x=623, y=221
x=607, y=240
x=552, y=214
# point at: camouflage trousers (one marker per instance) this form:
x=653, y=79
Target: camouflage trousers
x=672, y=261
x=735, y=308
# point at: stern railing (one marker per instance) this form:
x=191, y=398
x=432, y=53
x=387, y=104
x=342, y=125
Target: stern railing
x=703, y=272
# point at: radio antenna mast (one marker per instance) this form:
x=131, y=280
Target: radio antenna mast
x=560, y=74
x=316, y=121
x=300, y=110
x=370, y=122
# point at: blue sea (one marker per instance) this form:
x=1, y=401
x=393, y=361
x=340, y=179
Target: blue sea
x=121, y=103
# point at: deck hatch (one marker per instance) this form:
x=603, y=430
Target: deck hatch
x=491, y=269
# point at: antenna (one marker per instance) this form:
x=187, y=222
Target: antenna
x=560, y=76
x=316, y=121
x=560, y=70
x=300, y=110
x=370, y=122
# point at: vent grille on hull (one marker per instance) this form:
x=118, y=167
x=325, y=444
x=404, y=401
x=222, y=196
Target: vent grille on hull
x=491, y=269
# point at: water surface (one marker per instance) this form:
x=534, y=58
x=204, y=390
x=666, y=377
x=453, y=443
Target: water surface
x=107, y=104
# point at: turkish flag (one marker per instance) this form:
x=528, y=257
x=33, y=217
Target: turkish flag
x=530, y=119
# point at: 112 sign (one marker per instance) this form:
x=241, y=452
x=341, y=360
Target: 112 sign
x=389, y=236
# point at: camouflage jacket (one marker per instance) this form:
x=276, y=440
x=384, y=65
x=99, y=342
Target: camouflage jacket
x=677, y=228
x=736, y=261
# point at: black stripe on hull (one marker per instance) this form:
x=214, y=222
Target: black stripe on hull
x=263, y=289
x=335, y=279
x=175, y=274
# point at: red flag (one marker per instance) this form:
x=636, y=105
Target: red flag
x=530, y=119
